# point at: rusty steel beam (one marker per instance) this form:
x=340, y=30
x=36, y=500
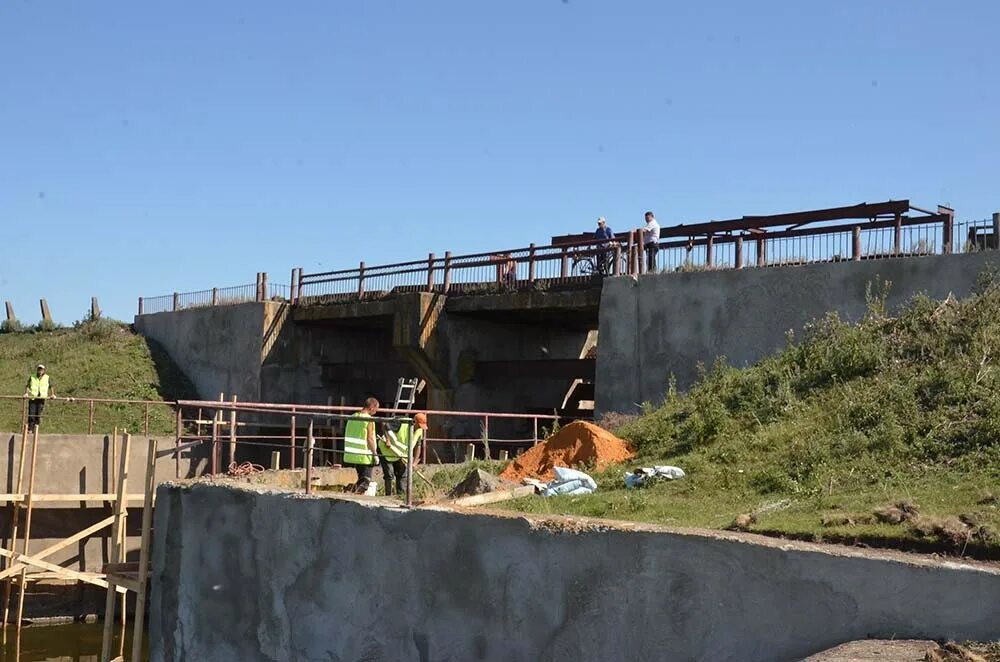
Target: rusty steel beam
x=861, y=211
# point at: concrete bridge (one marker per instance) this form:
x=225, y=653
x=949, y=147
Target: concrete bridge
x=517, y=330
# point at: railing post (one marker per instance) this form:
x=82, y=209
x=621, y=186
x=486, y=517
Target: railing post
x=564, y=270
x=616, y=269
x=447, y=271
x=709, y=250
x=531, y=263
x=215, y=296
x=298, y=288
x=177, y=441
x=430, y=272
x=361, y=281
x=948, y=228
x=145, y=419
x=996, y=230
x=263, y=286
x=309, y=457
x=293, y=294
x=291, y=443
x=90, y=419
x=232, y=433
x=140, y=306
x=739, y=252
x=897, y=234
x=631, y=254
x=761, y=251
x=177, y=301
x=856, y=243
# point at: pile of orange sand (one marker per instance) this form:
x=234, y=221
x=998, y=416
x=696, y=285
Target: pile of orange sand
x=577, y=443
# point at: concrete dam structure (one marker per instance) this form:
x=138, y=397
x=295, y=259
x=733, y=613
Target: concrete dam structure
x=285, y=576
x=615, y=341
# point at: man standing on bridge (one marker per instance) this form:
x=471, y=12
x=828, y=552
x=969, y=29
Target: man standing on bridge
x=604, y=236
x=360, y=449
x=651, y=241
x=37, y=390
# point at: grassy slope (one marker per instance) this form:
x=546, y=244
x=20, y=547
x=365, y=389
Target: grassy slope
x=97, y=359
x=847, y=419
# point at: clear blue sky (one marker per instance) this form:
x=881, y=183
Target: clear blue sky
x=148, y=148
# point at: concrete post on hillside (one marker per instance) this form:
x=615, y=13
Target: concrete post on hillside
x=11, y=317
x=263, y=285
x=46, y=315
x=95, y=309
x=996, y=230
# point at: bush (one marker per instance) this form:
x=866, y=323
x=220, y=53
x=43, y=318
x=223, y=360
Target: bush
x=11, y=326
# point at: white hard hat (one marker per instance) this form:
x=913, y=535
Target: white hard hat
x=40, y=367
x=601, y=219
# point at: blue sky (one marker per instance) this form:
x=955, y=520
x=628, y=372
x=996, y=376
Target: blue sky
x=147, y=148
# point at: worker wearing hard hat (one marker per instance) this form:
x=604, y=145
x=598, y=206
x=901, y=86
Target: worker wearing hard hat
x=394, y=449
x=37, y=390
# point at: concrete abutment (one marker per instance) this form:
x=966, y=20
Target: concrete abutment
x=286, y=576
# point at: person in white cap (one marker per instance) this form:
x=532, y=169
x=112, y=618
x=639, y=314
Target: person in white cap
x=604, y=236
x=37, y=390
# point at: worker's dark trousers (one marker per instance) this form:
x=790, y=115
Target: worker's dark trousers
x=364, y=477
x=394, y=474
x=35, y=406
x=651, y=250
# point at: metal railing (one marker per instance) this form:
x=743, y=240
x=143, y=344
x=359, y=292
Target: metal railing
x=226, y=426
x=74, y=415
x=885, y=230
x=893, y=229
x=262, y=290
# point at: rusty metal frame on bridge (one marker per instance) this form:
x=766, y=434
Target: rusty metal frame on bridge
x=436, y=274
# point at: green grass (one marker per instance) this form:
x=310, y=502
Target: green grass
x=847, y=419
x=102, y=359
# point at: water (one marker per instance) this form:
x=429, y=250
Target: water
x=76, y=642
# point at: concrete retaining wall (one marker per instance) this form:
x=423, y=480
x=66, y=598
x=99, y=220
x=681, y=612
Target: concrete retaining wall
x=78, y=464
x=219, y=348
x=665, y=324
x=284, y=577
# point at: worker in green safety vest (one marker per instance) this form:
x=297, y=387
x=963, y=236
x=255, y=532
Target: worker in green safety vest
x=394, y=450
x=360, y=449
x=37, y=390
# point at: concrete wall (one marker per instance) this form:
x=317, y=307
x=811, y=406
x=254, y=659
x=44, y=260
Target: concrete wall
x=78, y=464
x=219, y=348
x=285, y=577
x=665, y=324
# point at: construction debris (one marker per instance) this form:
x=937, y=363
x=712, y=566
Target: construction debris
x=478, y=482
x=570, y=482
x=649, y=475
x=579, y=443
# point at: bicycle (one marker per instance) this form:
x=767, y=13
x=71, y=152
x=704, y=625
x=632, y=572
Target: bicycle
x=587, y=262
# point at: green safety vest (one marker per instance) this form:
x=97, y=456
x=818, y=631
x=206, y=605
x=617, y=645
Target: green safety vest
x=356, y=449
x=395, y=447
x=38, y=388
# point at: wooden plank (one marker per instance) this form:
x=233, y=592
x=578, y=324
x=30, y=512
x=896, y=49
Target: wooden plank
x=49, y=498
x=52, y=549
x=27, y=524
x=147, y=525
x=66, y=573
x=15, y=515
x=494, y=497
x=121, y=504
